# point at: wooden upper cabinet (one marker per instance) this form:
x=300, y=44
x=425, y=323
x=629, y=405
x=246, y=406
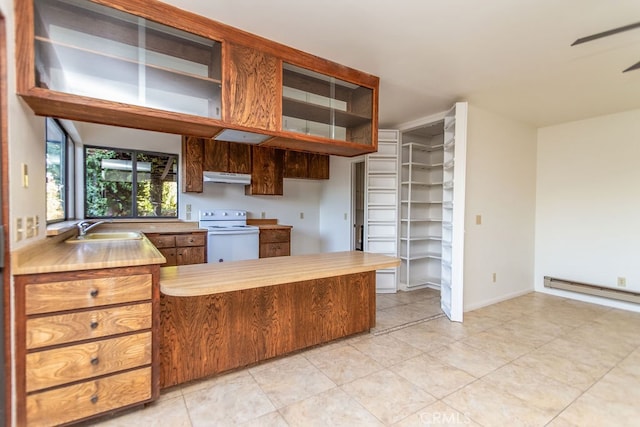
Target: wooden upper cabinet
x=222, y=156
x=267, y=172
x=306, y=165
x=252, y=85
x=192, y=162
x=149, y=65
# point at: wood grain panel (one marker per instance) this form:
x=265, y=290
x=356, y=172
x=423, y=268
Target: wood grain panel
x=318, y=166
x=190, y=255
x=78, y=326
x=252, y=87
x=192, y=160
x=274, y=236
x=216, y=155
x=162, y=240
x=49, y=368
x=73, y=294
x=193, y=239
x=83, y=400
x=239, y=158
x=209, y=334
x=296, y=164
x=267, y=172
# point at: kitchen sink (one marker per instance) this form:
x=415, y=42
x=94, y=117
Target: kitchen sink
x=106, y=237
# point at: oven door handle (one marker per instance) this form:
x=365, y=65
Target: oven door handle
x=228, y=233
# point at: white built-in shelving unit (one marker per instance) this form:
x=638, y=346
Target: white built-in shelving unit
x=381, y=205
x=421, y=208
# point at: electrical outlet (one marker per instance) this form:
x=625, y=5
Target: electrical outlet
x=29, y=229
x=494, y=277
x=188, y=207
x=19, y=229
x=25, y=175
x=478, y=219
x=622, y=282
x=301, y=215
x=263, y=215
x=345, y=216
x=36, y=225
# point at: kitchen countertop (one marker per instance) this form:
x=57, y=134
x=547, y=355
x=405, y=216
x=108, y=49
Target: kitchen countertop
x=62, y=256
x=206, y=279
x=274, y=227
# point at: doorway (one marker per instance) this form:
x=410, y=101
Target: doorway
x=357, y=205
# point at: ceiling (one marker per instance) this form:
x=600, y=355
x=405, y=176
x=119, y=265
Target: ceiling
x=510, y=57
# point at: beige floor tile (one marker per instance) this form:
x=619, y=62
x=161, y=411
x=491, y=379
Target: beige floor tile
x=583, y=352
x=608, y=338
x=272, y=419
x=631, y=364
x=539, y=325
x=471, y=360
x=343, y=364
x=455, y=330
x=384, y=301
x=503, y=311
x=291, y=380
x=556, y=366
x=388, y=396
x=590, y=411
x=332, y=408
x=437, y=415
x=422, y=337
x=514, y=332
x=498, y=345
x=490, y=406
x=215, y=405
x=617, y=386
x=542, y=392
x=387, y=319
x=162, y=413
x=386, y=350
x=433, y=376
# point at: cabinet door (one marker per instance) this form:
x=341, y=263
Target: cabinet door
x=216, y=156
x=318, y=166
x=296, y=164
x=192, y=160
x=252, y=88
x=239, y=158
x=170, y=256
x=190, y=255
x=267, y=172
x=268, y=250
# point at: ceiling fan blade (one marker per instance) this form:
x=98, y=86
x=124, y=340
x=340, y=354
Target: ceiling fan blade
x=633, y=67
x=606, y=33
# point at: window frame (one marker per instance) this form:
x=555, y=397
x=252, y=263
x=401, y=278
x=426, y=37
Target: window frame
x=134, y=182
x=67, y=172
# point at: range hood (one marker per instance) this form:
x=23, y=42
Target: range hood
x=227, y=178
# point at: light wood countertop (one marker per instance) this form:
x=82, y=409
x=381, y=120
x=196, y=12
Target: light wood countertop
x=274, y=227
x=62, y=256
x=206, y=279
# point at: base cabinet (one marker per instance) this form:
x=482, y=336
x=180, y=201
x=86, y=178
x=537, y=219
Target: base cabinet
x=87, y=343
x=275, y=242
x=181, y=248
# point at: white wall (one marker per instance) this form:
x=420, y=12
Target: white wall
x=588, y=203
x=500, y=186
x=300, y=195
x=335, y=202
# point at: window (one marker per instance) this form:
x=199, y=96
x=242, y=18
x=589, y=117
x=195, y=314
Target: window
x=60, y=152
x=130, y=183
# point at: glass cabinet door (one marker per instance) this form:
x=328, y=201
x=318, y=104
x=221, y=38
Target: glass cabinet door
x=321, y=105
x=87, y=49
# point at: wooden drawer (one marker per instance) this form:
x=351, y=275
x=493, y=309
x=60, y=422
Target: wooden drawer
x=74, y=294
x=88, y=398
x=274, y=236
x=77, y=362
x=191, y=240
x=170, y=256
x=268, y=250
x=162, y=240
x=190, y=255
x=78, y=326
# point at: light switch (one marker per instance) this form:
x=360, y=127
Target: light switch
x=478, y=219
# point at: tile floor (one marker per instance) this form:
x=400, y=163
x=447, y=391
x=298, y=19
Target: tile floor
x=534, y=360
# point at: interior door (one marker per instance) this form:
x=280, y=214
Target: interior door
x=453, y=208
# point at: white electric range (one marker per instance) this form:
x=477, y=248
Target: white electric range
x=229, y=238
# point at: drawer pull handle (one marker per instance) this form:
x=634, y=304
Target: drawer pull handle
x=94, y=293
x=94, y=325
x=95, y=361
x=94, y=399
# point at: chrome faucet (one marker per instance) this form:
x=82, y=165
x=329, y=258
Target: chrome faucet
x=84, y=226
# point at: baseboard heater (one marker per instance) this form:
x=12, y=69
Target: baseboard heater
x=597, y=290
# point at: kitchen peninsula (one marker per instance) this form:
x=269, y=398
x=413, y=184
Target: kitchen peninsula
x=218, y=317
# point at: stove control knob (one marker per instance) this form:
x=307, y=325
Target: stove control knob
x=224, y=214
